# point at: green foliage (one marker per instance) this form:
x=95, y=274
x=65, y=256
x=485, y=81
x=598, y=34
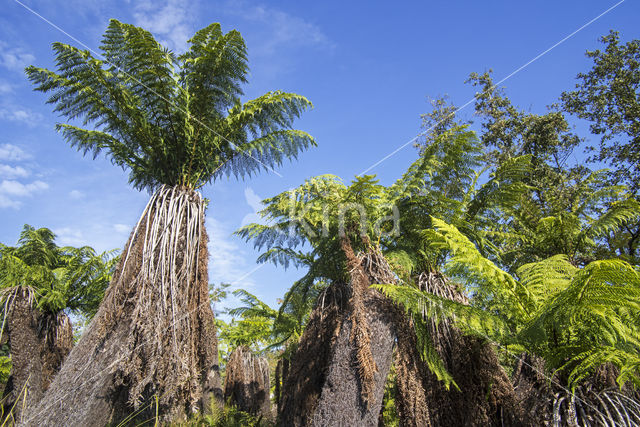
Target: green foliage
x=576, y=319
x=582, y=226
x=388, y=414
x=217, y=294
x=444, y=182
x=227, y=416
x=5, y=368
x=608, y=96
x=509, y=132
x=170, y=119
x=594, y=320
x=493, y=287
x=260, y=327
x=61, y=277
x=471, y=320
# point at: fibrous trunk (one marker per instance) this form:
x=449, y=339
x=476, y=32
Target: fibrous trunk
x=303, y=383
x=39, y=343
x=152, y=347
x=282, y=369
x=411, y=397
x=485, y=395
x=598, y=400
x=339, y=371
x=247, y=383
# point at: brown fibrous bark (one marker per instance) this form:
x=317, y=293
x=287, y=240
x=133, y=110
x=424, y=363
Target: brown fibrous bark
x=38, y=342
x=338, y=373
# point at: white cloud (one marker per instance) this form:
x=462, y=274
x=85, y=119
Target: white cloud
x=5, y=87
x=11, y=152
x=25, y=116
x=122, y=228
x=226, y=261
x=15, y=188
x=76, y=194
x=67, y=236
x=255, y=202
x=11, y=189
x=7, y=171
x=6, y=202
x=14, y=58
x=172, y=22
x=277, y=29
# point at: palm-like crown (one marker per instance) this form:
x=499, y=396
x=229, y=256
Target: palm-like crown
x=171, y=119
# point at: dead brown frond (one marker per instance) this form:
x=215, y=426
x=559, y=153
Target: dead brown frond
x=303, y=381
x=360, y=333
x=411, y=400
x=247, y=382
x=596, y=401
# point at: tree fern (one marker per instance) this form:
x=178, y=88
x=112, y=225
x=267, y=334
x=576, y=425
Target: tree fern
x=171, y=119
x=576, y=319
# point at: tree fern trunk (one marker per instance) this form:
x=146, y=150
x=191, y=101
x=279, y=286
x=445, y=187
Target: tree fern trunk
x=302, y=384
x=486, y=395
x=152, y=345
x=342, y=400
x=411, y=399
x=24, y=387
x=247, y=383
x=39, y=343
x=338, y=373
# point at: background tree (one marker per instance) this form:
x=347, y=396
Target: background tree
x=608, y=96
x=565, y=197
x=40, y=283
x=175, y=122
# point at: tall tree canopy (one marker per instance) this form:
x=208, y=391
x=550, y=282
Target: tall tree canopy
x=608, y=96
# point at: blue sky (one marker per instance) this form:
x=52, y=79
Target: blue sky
x=368, y=67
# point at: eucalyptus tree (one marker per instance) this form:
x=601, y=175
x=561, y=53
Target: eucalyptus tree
x=176, y=123
x=40, y=283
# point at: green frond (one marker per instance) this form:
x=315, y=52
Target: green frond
x=594, y=319
x=214, y=67
x=167, y=119
x=619, y=214
x=546, y=278
x=429, y=354
x=471, y=320
x=481, y=274
x=286, y=256
x=62, y=278
x=586, y=363
x=252, y=307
